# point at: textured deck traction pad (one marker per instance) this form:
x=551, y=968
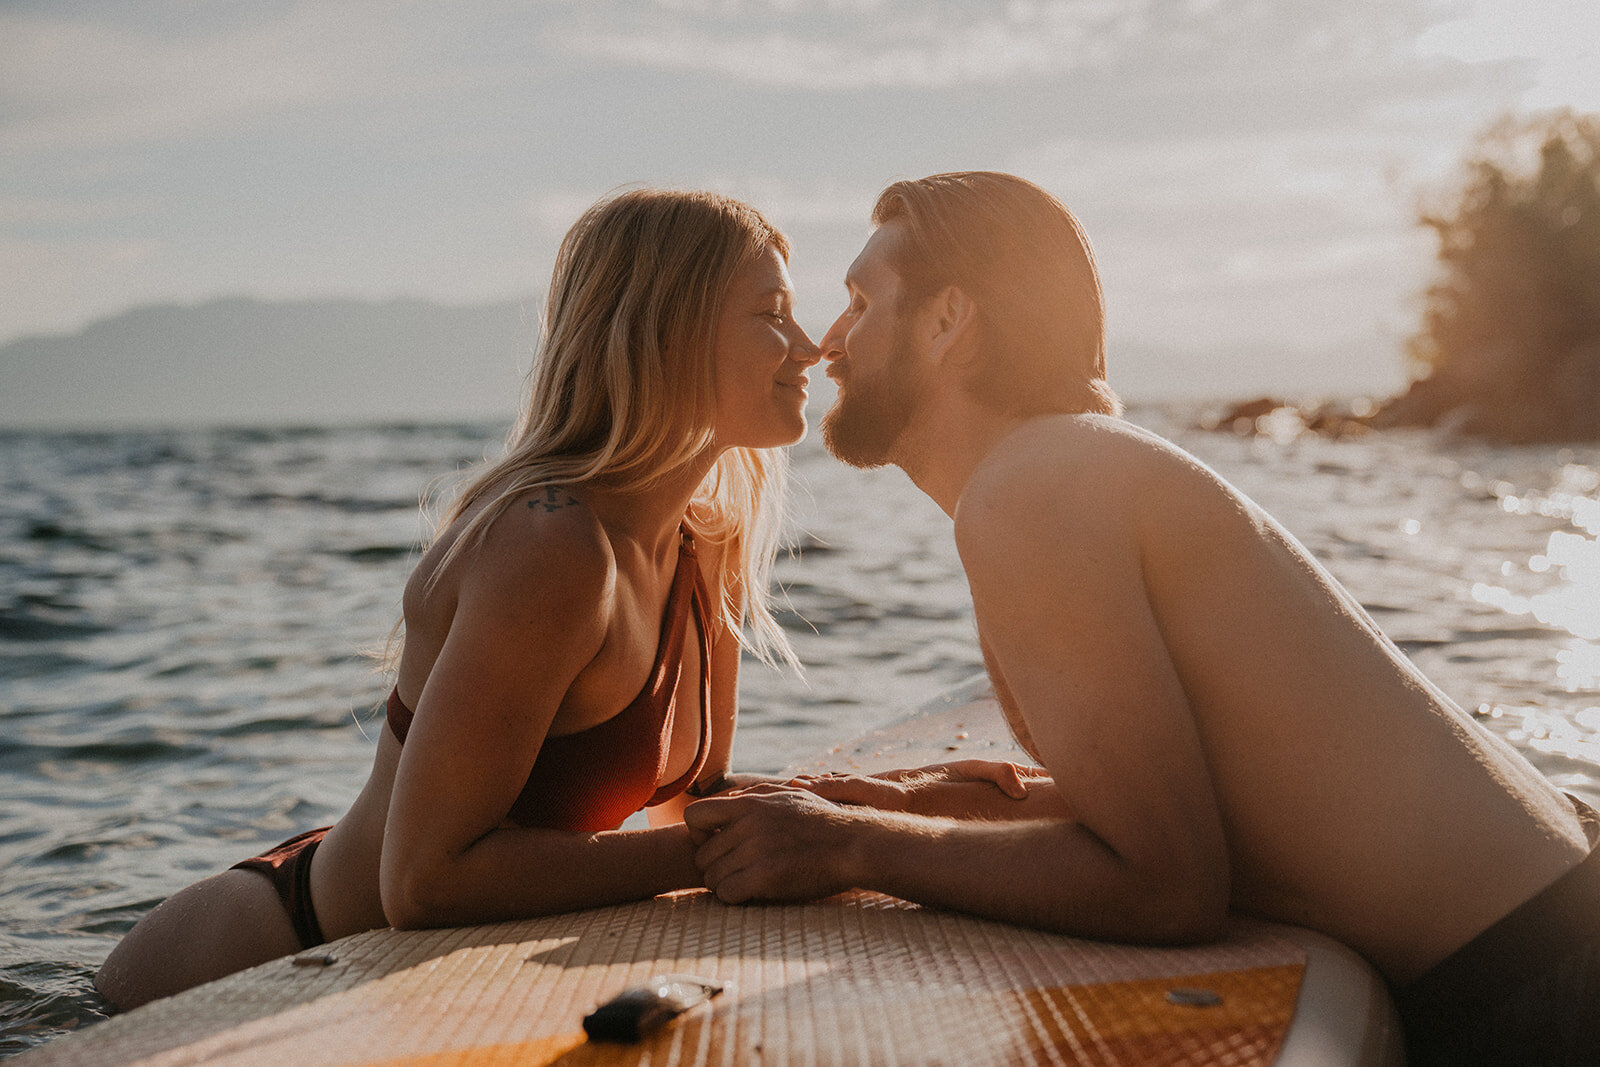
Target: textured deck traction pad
x=857, y=979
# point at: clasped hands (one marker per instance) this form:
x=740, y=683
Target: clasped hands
x=813, y=835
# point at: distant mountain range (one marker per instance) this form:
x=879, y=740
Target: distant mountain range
x=243, y=361
x=247, y=361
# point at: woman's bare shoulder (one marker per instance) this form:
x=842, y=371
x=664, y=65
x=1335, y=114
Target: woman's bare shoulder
x=549, y=538
x=543, y=543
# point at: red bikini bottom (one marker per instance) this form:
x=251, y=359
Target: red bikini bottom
x=289, y=867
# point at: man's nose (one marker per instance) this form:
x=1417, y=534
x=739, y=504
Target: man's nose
x=832, y=345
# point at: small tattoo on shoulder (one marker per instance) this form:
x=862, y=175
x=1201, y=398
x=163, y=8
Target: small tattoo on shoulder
x=555, y=498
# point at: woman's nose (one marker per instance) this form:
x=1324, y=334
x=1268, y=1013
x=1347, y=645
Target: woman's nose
x=805, y=350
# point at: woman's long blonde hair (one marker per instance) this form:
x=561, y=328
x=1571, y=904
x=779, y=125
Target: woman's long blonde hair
x=623, y=385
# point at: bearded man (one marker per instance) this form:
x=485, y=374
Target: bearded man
x=1221, y=726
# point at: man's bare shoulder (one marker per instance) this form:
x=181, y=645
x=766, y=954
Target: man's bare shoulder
x=1094, y=491
x=1095, y=466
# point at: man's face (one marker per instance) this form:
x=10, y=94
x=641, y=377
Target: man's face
x=872, y=355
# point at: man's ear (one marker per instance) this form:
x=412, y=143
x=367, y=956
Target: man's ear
x=954, y=324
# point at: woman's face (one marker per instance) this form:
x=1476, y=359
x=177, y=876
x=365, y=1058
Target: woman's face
x=761, y=357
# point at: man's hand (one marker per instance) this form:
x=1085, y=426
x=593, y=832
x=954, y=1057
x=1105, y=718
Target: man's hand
x=773, y=842
x=960, y=788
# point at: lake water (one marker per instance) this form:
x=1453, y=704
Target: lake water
x=183, y=616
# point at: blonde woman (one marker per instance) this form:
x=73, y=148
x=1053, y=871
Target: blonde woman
x=572, y=635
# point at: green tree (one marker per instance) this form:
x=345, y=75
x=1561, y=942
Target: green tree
x=1510, y=338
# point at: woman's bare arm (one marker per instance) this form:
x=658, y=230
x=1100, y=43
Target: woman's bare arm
x=532, y=612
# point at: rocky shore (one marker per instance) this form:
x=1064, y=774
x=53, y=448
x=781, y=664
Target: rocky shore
x=1564, y=409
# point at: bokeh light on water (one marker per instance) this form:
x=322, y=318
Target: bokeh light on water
x=1563, y=585
x=1559, y=587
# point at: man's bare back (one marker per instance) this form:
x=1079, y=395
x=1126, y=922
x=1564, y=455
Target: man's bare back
x=1353, y=796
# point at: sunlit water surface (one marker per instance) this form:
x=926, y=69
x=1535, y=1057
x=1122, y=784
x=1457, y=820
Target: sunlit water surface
x=183, y=616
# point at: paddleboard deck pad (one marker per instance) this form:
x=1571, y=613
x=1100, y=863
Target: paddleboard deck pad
x=860, y=978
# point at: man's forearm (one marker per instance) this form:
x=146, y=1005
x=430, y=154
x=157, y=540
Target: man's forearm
x=983, y=801
x=1047, y=873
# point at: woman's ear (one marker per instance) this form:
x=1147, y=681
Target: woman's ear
x=954, y=325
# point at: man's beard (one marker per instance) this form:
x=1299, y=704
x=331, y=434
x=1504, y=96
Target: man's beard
x=866, y=420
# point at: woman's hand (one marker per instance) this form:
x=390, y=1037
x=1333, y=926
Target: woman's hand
x=775, y=842
x=727, y=783
x=960, y=788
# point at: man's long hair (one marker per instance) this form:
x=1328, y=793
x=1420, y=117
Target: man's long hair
x=1025, y=261
x=623, y=387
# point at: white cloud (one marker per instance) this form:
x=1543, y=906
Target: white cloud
x=906, y=44
x=1234, y=240
x=726, y=8
x=73, y=84
x=787, y=202
x=555, y=210
x=790, y=202
x=1174, y=174
x=892, y=43
x=1558, y=43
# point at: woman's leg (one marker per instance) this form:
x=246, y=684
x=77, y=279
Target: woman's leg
x=223, y=924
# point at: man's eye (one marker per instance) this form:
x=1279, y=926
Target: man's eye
x=778, y=317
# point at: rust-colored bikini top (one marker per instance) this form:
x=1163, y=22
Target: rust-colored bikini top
x=595, y=778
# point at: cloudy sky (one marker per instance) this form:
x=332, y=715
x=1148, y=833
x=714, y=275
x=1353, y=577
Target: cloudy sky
x=1249, y=170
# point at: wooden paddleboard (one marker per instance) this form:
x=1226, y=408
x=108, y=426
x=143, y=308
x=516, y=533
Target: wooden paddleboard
x=856, y=979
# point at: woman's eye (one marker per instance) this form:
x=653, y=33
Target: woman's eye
x=778, y=317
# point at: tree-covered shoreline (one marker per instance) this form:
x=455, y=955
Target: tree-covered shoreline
x=1509, y=344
